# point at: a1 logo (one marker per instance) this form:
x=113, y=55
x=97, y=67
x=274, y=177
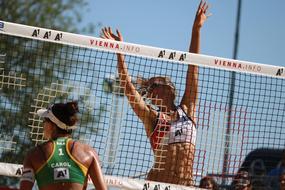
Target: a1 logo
x=60, y=173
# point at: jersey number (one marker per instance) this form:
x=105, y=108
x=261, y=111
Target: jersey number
x=60, y=152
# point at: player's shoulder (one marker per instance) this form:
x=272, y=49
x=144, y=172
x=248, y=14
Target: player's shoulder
x=81, y=146
x=82, y=149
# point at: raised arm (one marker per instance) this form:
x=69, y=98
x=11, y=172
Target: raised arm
x=146, y=115
x=190, y=96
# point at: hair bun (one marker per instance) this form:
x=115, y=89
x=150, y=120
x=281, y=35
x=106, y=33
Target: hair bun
x=72, y=107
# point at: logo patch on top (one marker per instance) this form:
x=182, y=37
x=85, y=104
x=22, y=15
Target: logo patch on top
x=60, y=173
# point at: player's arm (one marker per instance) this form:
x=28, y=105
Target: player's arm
x=95, y=171
x=190, y=96
x=146, y=115
x=28, y=177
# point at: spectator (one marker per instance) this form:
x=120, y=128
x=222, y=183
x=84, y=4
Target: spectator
x=242, y=181
x=208, y=182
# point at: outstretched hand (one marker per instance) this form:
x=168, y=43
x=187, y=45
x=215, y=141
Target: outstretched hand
x=201, y=14
x=108, y=34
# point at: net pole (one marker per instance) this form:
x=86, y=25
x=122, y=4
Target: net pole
x=232, y=88
x=113, y=134
x=113, y=88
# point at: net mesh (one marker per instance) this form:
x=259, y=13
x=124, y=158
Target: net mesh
x=233, y=122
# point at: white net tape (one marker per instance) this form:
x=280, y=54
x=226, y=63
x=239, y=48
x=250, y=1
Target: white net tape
x=15, y=170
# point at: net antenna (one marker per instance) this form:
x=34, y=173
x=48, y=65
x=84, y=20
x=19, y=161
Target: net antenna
x=111, y=85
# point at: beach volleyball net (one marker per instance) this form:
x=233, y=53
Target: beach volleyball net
x=239, y=112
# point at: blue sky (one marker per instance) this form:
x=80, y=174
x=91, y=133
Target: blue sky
x=167, y=24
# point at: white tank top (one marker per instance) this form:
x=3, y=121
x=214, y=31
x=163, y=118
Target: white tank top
x=183, y=129
x=179, y=131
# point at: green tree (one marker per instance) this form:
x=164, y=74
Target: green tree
x=15, y=103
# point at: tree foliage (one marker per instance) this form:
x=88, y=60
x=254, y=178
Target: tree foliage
x=63, y=15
